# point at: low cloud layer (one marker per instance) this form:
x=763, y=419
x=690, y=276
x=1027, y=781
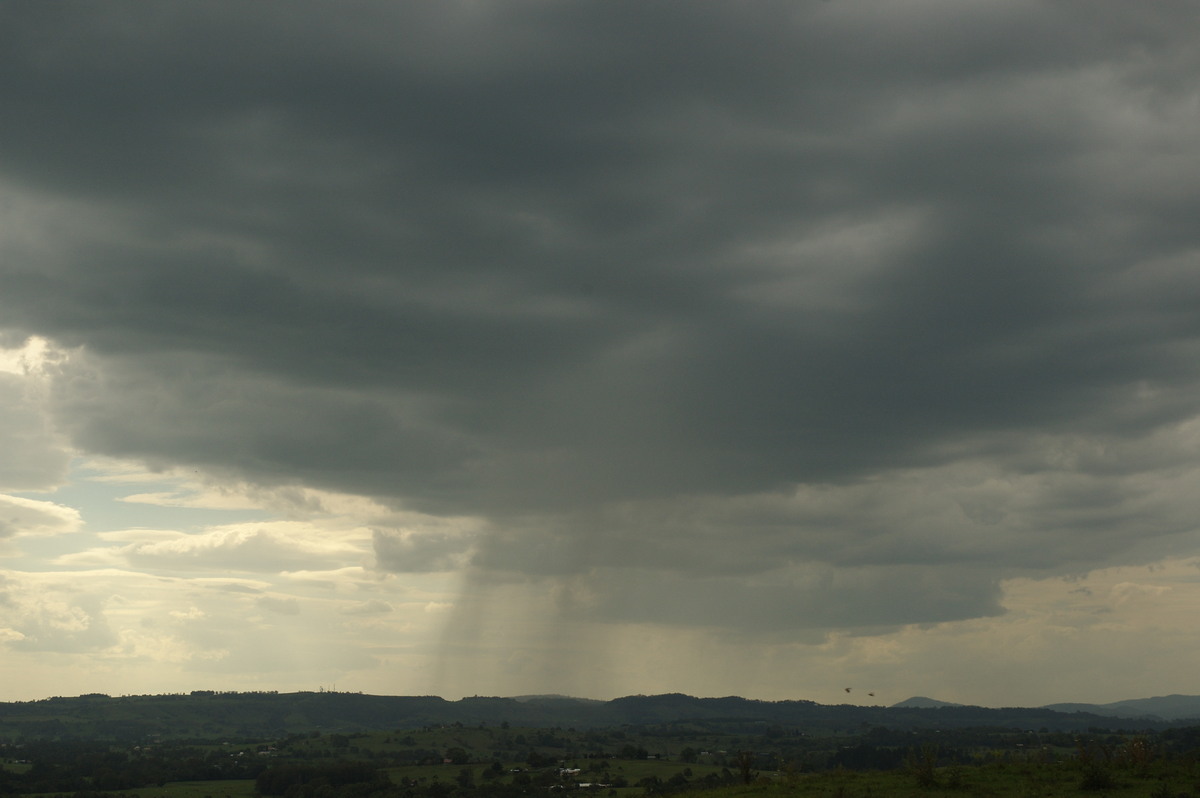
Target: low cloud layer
x=34, y=457
x=791, y=318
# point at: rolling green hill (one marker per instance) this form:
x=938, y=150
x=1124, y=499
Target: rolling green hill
x=212, y=715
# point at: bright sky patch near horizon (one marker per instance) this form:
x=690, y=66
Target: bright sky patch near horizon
x=601, y=348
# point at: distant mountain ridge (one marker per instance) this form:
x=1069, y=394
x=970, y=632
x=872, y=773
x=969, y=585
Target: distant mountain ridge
x=207, y=715
x=554, y=697
x=1164, y=707
x=921, y=702
x=1173, y=707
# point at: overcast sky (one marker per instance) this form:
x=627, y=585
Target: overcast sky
x=600, y=348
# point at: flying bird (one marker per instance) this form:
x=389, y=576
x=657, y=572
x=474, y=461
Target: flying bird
x=847, y=689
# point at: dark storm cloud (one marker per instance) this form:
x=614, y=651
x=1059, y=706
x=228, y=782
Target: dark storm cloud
x=561, y=265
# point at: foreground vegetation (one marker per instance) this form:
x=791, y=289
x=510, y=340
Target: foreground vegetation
x=714, y=759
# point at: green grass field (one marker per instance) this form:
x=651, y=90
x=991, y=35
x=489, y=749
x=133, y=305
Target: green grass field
x=232, y=788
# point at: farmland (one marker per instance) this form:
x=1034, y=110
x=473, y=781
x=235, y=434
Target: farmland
x=735, y=756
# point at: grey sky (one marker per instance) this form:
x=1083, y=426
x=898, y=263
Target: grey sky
x=772, y=318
